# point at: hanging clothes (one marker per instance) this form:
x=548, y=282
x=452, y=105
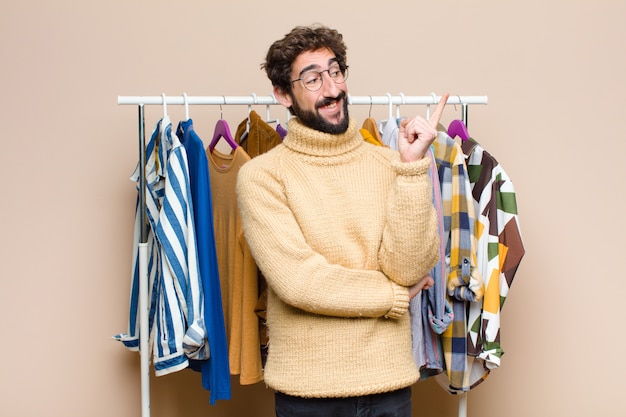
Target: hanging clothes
x=215, y=370
x=176, y=315
x=464, y=283
x=237, y=268
x=390, y=133
x=255, y=136
x=367, y=137
x=432, y=307
x=370, y=125
x=499, y=252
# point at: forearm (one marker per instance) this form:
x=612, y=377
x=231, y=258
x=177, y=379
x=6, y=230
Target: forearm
x=410, y=244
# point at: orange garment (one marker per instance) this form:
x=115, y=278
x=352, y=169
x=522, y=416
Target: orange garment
x=238, y=271
x=367, y=137
x=261, y=137
x=371, y=126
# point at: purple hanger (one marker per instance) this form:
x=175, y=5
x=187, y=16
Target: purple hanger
x=222, y=131
x=281, y=131
x=458, y=128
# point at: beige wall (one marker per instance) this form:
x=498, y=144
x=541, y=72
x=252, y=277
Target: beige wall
x=554, y=75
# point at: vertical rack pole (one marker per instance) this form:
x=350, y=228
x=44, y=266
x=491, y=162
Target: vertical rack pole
x=462, y=410
x=463, y=404
x=144, y=336
x=464, y=113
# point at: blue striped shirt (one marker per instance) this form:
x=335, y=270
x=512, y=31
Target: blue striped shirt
x=176, y=323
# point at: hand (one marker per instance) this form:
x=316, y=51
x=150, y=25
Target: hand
x=416, y=134
x=425, y=283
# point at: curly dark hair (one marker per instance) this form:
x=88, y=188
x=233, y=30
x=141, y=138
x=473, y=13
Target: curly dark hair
x=284, y=52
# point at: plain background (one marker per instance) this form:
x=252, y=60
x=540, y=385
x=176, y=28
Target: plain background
x=554, y=73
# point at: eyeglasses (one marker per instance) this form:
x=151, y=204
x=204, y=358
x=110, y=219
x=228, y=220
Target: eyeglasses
x=313, y=80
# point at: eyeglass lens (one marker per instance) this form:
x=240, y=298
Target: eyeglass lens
x=313, y=80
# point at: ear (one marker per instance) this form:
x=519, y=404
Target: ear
x=283, y=97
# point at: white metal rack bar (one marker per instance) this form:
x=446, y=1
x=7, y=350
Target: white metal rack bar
x=252, y=99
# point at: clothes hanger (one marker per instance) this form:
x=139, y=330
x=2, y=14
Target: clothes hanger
x=402, y=101
x=282, y=132
x=222, y=130
x=279, y=129
x=268, y=119
x=382, y=123
x=399, y=116
x=434, y=96
x=180, y=130
x=164, y=105
x=244, y=135
x=371, y=126
x=458, y=128
x=186, y=106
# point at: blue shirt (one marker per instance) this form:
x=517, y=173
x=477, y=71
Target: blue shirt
x=215, y=370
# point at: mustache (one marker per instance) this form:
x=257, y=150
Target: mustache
x=329, y=100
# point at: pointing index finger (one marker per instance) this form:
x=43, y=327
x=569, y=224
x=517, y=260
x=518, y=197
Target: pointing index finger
x=436, y=116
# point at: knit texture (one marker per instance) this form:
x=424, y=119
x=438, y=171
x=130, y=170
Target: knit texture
x=340, y=228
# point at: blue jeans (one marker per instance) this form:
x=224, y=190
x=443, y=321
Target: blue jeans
x=388, y=404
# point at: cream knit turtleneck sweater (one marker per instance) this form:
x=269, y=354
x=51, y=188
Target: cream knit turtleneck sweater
x=340, y=228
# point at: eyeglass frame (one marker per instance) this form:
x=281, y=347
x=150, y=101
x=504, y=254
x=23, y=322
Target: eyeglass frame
x=343, y=71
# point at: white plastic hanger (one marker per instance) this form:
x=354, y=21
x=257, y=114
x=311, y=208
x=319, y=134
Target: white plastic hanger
x=186, y=106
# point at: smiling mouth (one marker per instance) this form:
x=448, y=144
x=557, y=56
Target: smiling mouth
x=329, y=106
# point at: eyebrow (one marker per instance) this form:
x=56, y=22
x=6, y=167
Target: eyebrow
x=315, y=66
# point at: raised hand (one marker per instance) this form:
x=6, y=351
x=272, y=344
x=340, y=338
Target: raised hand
x=416, y=134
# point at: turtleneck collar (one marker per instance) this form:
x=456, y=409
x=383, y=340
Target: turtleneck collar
x=303, y=139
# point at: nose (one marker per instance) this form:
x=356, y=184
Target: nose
x=329, y=87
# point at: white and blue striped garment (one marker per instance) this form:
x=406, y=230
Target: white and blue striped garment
x=176, y=317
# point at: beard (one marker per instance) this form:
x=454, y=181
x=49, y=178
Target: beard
x=315, y=121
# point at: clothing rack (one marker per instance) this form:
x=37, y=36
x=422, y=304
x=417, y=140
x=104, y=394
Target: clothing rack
x=254, y=99
x=251, y=100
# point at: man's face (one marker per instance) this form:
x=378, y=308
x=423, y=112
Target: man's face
x=326, y=109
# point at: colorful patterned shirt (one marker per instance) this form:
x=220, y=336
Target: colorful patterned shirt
x=464, y=283
x=499, y=251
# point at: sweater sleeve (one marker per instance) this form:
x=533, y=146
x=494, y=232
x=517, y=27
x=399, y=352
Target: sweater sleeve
x=299, y=275
x=410, y=244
